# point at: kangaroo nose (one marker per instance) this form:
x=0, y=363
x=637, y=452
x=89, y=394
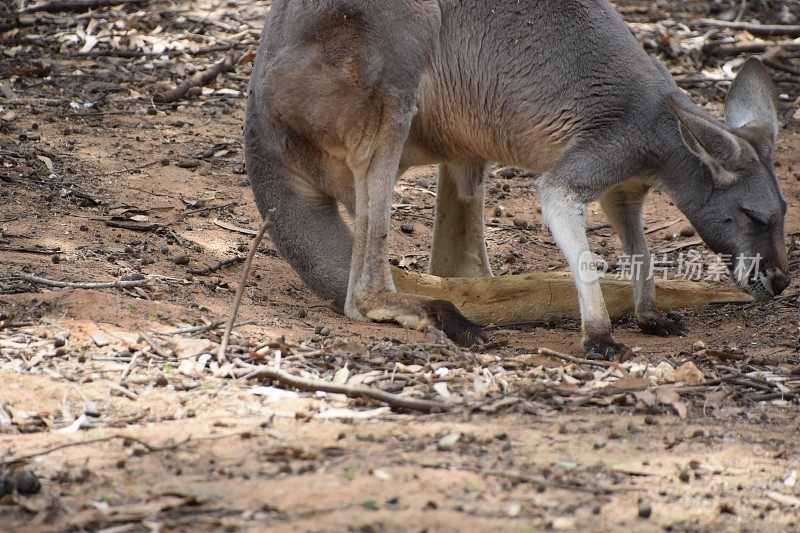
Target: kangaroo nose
x=779, y=283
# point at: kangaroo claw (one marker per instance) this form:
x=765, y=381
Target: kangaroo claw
x=670, y=326
x=603, y=348
x=445, y=317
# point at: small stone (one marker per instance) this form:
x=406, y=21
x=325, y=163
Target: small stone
x=188, y=163
x=726, y=508
x=182, y=259
x=685, y=476
x=322, y=331
x=161, y=381
x=507, y=172
x=688, y=231
x=687, y=373
x=100, y=340
x=645, y=510
x=28, y=483
x=408, y=229
x=448, y=442
x=164, y=249
x=92, y=411
x=520, y=223
x=302, y=313
x=699, y=345
x=498, y=211
x=55, y=258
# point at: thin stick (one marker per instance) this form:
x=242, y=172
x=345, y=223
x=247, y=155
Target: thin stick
x=15, y=459
x=76, y=5
x=222, y=356
x=24, y=250
x=734, y=49
x=192, y=329
x=82, y=284
x=201, y=78
x=759, y=30
x=216, y=266
x=351, y=391
x=127, y=371
x=579, y=360
x=206, y=209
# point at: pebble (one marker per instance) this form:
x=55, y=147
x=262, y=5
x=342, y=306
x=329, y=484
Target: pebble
x=161, y=381
x=188, y=163
x=699, y=345
x=507, y=172
x=322, y=331
x=520, y=223
x=28, y=483
x=448, y=442
x=688, y=231
x=182, y=259
x=100, y=340
x=55, y=258
x=408, y=229
x=645, y=510
x=92, y=411
x=685, y=476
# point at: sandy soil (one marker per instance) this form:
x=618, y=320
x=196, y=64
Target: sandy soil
x=209, y=454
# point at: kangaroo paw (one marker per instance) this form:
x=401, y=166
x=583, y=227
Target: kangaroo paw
x=669, y=326
x=445, y=317
x=603, y=348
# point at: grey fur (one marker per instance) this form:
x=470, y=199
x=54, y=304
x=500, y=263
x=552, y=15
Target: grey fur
x=346, y=94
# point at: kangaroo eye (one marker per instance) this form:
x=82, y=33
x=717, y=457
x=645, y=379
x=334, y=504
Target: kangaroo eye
x=757, y=218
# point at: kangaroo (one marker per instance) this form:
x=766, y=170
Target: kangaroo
x=348, y=94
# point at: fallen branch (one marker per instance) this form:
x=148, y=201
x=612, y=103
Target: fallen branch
x=76, y=6
x=15, y=459
x=759, y=30
x=222, y=356
x=204, y=77
x=582, y=361
x=192, y=329
x=734, y=49
x=351, y=391
x=26, y=250
x=82, y=284
x=216, y=266
x=206, y=209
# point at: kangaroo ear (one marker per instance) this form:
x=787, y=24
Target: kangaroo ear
x=753, y=99
x=708, y=140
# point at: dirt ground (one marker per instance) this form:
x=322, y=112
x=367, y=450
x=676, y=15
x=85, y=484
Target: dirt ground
x=100, y=183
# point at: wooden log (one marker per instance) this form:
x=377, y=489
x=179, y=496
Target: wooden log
x=545, y=297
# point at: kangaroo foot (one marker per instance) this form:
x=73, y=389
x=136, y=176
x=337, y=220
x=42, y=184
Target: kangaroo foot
x=669, y=326
x=603, y=348
x=419, y=313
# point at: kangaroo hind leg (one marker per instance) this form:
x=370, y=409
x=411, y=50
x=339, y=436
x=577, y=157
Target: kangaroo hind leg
x=459, y=243
x=371, y=290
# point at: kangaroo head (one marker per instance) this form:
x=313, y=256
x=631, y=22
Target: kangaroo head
x=738, y=208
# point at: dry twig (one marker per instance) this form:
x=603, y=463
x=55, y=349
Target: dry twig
x=581, y=361
x=352, y=391
x=76, y=5
x=122, y=284
x=759, y=30
x=204, y=77
x=222, y=356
